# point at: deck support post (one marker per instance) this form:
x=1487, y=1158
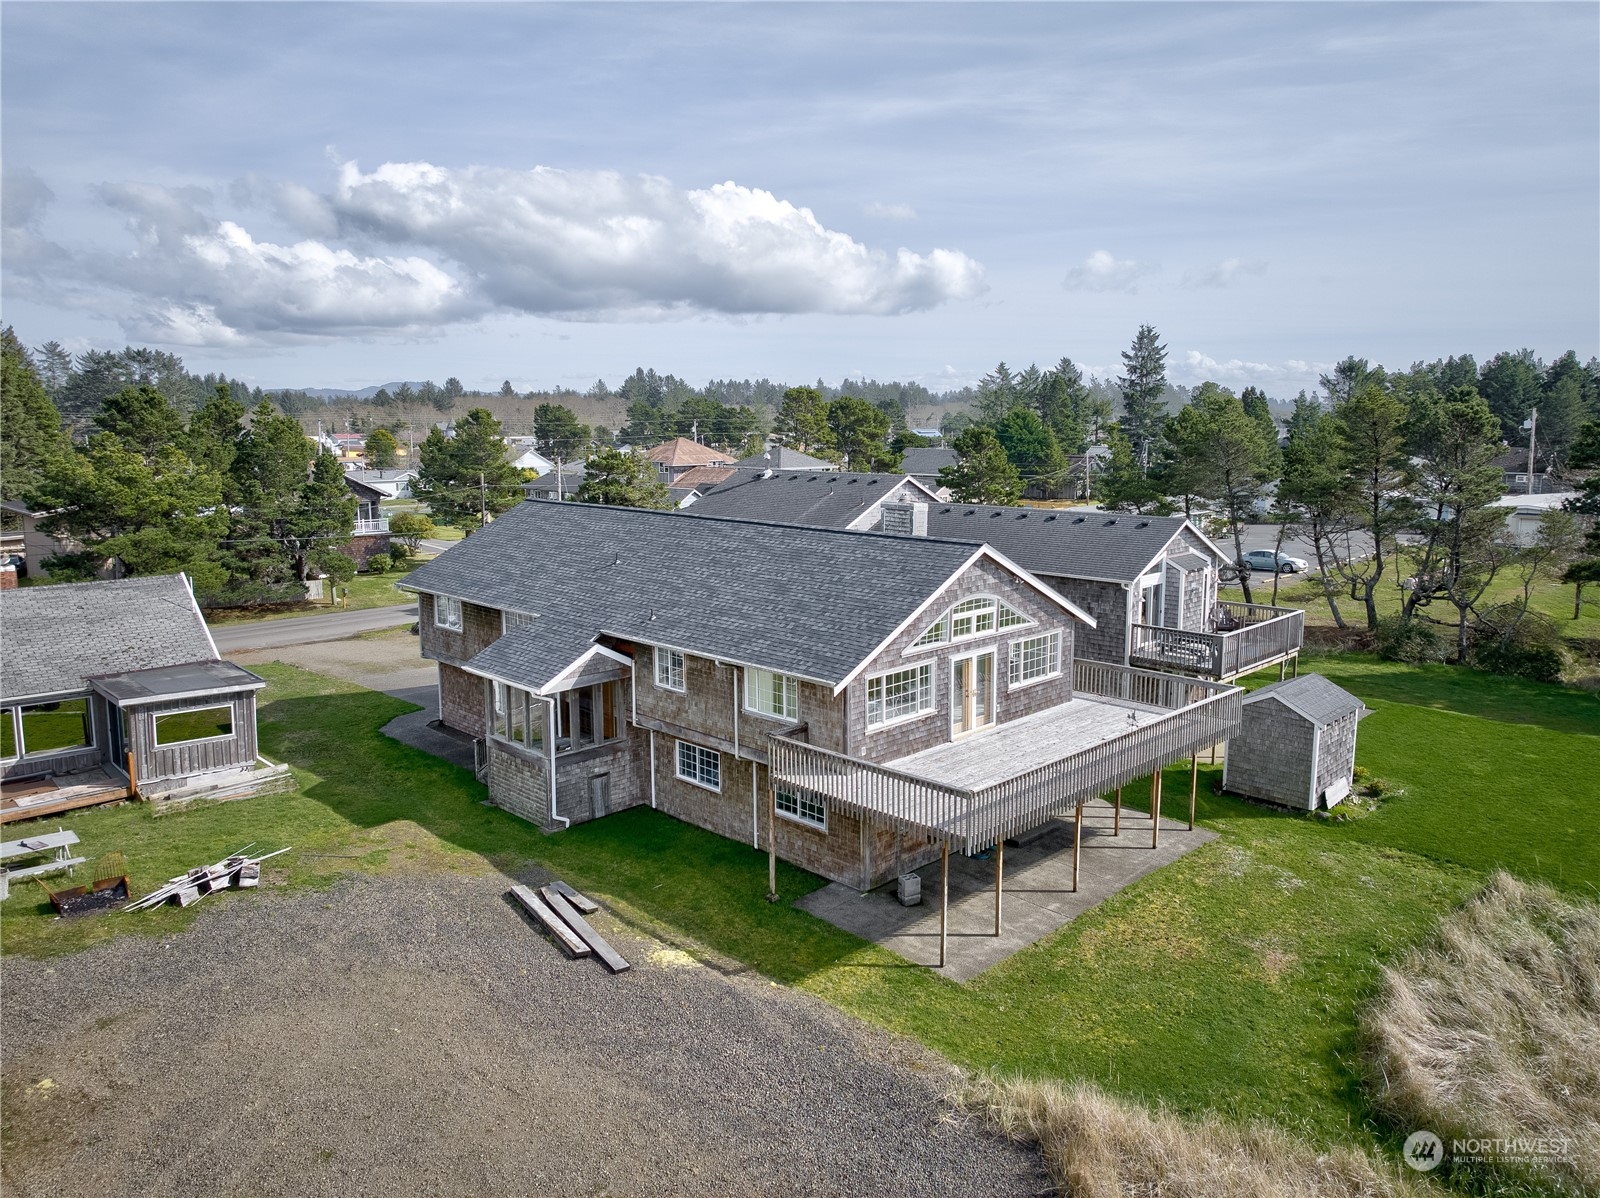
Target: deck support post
x=1294, y=666
x=1194, y=785
x=1283, y=670
x=999, y=878
x=944, y=901
x=772, y=843
x=1116, y=815
x=1155, y=809
x=1077, y=845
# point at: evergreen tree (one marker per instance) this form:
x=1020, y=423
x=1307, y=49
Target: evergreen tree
x=212, y=438
x=1371, y=425
x=465, y=480
x=381, y=450
x=557, y=433
x=860, y=433
x=31, y=438
x=802, y=423
x=620, y=479
x=142, y=419
x=323, y=519
x=54, y=364
x=1349, y=377
x=982, y=473
x=1063, y=403
x=1144, y=384
x=1124, y=485
x=1031, y=447
x=997, y=395
x=1314, y=493
x=1512, y=384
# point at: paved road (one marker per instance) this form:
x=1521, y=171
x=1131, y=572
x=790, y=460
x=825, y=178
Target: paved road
x=303, y=630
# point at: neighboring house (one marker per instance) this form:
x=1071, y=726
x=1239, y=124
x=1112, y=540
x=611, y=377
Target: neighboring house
x=391, y=484
x=828, y=499
x=25, y=536
x=924, y=466
x=347, y=447
x=520, y=452
x=1149, y=581
x=370, y=533
x=704, y=478
x=781, y=458
x=856, y=703
x=681, y=455
x=1524, y=513
x=928, y=434
x=1296, y=745
x=1513, y=467
x=561, y=483
x=134, y=699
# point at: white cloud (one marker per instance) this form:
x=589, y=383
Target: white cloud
x=1101, y=271
x=586, y=242
x=890, y=211
x=1224, y=273
x=1200, y=367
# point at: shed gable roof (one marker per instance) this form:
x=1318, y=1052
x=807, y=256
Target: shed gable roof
x=58, y=637
x=1311, y=696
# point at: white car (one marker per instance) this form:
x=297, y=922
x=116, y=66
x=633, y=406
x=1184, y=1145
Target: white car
x=1275, y=563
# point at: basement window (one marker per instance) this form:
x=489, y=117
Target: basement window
x=803, y=806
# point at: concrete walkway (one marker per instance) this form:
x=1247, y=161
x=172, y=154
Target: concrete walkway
x=1038, y=896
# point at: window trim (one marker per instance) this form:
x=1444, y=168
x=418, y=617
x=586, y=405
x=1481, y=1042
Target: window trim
x=796, y=816
x=947, y=620
x=699, y=751
x=663, y=654
x=155, y=726
x=1055, y=650
x=460, y=617
x=791, y=687
x=921, y=713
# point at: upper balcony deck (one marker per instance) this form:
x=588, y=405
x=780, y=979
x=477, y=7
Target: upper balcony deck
x=1245, y=637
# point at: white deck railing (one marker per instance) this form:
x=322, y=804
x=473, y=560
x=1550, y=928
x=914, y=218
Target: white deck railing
x=371, y=527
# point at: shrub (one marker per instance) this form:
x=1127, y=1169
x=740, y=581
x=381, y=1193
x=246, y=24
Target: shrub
x=1506, y=639
x=1490, y=1030
x=1097, y=1146
x=1536, y=662
x=378, y=563
x=399, y=555
x=1414, y=641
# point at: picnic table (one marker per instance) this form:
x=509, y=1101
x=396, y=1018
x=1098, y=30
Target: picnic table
x=58, y=843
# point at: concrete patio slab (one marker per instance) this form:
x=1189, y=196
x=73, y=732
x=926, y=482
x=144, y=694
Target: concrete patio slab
x=1037, y=894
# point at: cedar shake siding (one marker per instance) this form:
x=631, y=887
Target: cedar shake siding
x=1108, y=603
x=461, y=700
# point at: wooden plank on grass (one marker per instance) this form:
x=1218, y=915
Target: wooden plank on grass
x=582, y=902
x=608, y=955
x=536, y=907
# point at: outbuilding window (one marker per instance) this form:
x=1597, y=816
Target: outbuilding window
x=199, y=723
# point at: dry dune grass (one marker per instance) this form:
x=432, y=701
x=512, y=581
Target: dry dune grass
x=1097, y=1146
x=1492, y=1030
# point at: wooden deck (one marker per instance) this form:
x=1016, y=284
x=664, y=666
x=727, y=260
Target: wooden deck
x=36, y=797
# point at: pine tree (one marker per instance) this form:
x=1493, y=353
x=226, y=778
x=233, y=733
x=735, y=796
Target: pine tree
x=620, y=479
x=982, y=473
x=32, y=441
x=1143, y=384
x=465, y=480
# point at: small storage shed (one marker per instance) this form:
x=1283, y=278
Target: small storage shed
x=1296, y=746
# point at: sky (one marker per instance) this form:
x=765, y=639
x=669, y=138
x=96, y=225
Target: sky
x=339, y=195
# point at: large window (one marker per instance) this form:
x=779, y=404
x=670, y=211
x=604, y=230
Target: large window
x=518, y=716
x=701, y=766
x=776, y=695
x=900, y=695
x=47, y=728
x=969, y=618
x=803, y=806
x=447, y=612
x=669, y=668
x=201, y=723
x=588, y=715
x=1036, y=658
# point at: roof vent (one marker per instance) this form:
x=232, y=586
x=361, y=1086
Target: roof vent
x=1047, y=519
x=767, y=473
x=1022, y=515
x=945, y=511
x=871, y=482
x=995, y=515
x=970, y=512
x=850, y=482
x=1110, y=522
x=1079, y=519
x=1142, y=524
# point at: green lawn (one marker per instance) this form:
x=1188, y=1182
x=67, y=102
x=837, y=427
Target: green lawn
x=366, y=591
x=1229, y=980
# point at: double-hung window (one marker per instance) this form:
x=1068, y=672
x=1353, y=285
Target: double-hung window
x=803, y=806
x=1036, y=658
x=900, y=695
x=669, y=668
x=772, y=694
x=699, y=765
x=447, y=612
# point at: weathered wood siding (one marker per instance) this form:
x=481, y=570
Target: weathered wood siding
x=1336, y=752
x=188, y=759
x=461, y=700
x=1107, y=602
x=1271, y=757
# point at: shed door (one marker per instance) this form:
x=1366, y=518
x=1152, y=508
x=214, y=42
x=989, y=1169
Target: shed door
x=599, y=795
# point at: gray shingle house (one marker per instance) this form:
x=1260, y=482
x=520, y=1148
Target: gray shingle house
x=853, y=702
x=814, y=499
x=1296, y=745
x=112, y=687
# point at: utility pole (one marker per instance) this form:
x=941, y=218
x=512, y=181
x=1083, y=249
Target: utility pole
x=483, y=502
x=1532, y=426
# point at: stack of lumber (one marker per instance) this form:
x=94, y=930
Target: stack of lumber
x=557, y=908
x=238, y=870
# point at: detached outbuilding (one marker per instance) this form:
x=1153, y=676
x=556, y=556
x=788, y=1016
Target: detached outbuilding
x=1296, y=746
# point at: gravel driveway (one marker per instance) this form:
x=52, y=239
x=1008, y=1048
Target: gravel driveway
x=415, y=1036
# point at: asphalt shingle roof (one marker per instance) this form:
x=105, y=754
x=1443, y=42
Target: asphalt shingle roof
x=52, y=638
x=1107, y=545
x=925, y=463
x=781, y=457
x=816, y=499
x=805, y=601
x=680, y=451
x=1312, y=696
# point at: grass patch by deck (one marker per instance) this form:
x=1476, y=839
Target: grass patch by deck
x=366, y=591
x=1229, y=981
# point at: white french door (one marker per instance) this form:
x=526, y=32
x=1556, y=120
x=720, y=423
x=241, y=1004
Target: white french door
x=971, y=693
